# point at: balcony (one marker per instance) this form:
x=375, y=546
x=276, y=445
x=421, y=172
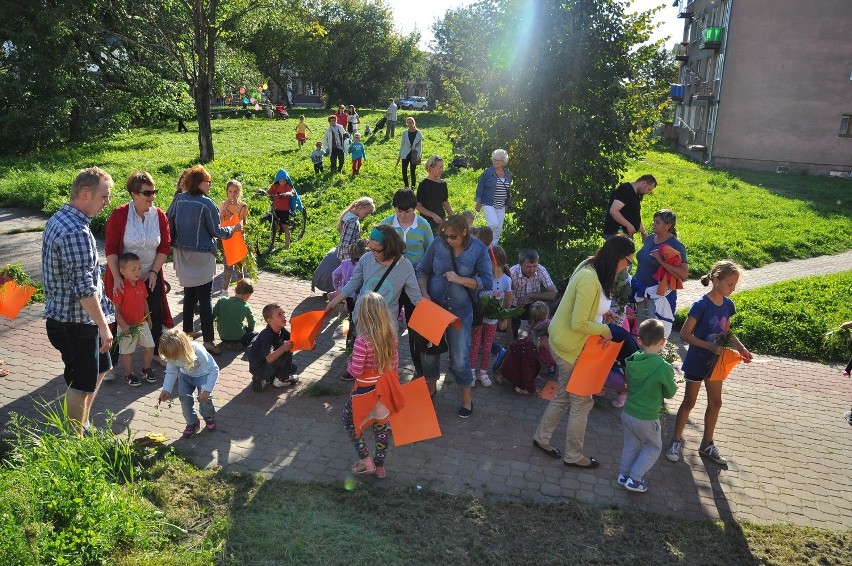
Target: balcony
x=712, y=38
x=682, y=52
x=686, y=9
x=704, y=94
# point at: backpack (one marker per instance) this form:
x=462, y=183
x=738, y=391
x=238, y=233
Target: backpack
x=522, y=364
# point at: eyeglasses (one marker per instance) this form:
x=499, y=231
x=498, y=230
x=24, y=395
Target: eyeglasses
x=451, y=236
x=147, y=193
x=376, y=251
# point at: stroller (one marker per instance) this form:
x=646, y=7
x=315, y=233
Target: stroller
x=281, y=112
x=380, y=124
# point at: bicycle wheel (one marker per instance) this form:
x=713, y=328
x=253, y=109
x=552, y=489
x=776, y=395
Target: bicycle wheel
x=297, y=225
x=266, y=234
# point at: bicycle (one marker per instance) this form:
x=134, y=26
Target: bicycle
x=266, y=237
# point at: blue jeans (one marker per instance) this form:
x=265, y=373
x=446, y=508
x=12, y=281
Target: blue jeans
x=458, y=342
x=186, y=387
x=643, y=443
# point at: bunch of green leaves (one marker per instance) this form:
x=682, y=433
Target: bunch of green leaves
x=493, y=309
x=18, y=275
x=837, y=342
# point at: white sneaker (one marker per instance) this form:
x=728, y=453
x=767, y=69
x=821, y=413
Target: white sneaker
x=108, y=376
x=485, y=380
x=475, y=378
x=278, y=383
x=674, y=451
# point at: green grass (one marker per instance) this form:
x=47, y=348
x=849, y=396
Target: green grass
x=754, y=218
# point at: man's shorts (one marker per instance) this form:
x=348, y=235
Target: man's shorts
x=283, y=216
x=79, y=344
x=128, y=343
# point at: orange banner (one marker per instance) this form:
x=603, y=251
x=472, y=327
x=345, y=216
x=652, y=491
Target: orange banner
x=593, y=366
x=304, y=329
x=234, y=247
x=417, y=420
x=430, y=321
x=376, y=406
x=726, y=362
x=13, y=298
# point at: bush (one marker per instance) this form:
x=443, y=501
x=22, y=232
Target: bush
x=792, y=318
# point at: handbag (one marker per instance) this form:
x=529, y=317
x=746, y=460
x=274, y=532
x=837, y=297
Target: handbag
x=477, y=306
x=415, y=157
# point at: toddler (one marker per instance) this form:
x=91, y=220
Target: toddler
x=193, y=368
x=301, y=131
x=649, y=379
x=359, y=155
x=134, y=320
x=316, y=158
x=271, y=354
x=230, y=312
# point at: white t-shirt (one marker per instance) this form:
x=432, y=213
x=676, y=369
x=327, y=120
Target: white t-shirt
x=142, y=237
x=392, y=112
x=499, y=289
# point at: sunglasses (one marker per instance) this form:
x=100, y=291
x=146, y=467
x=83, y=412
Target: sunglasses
x=451, y=236
x=147, y=193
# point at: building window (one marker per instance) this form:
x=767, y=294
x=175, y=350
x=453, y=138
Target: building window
x=845, y=126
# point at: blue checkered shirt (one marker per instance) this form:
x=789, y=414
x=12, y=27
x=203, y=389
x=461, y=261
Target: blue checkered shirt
x=69, y=265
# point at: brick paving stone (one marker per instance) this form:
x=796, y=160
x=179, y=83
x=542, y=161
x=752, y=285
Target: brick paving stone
x=781, y=426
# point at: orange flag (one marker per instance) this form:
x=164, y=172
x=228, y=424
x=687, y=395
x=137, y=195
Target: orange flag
x=593, y=366
x=376, y=406
x=13, y=298
x=417, y=420
x=304, y=329
x=235, y=247
x=430, y=321
x=726, y=362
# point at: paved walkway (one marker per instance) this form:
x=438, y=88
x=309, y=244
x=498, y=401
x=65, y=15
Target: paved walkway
x=781, y=428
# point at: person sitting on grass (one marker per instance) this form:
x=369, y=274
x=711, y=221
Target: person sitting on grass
x=650, y=378
x=271, y=355
x=134, y=320
x=192, y=367
x=230, y=312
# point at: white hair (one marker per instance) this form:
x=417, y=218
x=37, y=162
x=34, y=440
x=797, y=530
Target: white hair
x=500, y=154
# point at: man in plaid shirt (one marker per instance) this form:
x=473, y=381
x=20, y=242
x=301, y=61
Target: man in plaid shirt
x=530, y=283
x=76, y=323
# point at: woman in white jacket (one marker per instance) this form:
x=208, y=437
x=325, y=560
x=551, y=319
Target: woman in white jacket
x=410, y=150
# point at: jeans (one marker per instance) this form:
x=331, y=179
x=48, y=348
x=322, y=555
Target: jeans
x=186, y=387
x=200, y=295
x=406, y=165
x=390, y=129
x=494, y=217
x=459, y=349
x=336, y=159
x=580, y=405
x=643, y=443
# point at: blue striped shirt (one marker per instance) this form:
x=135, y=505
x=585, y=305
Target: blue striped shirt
x=417, y=237
x=69, y=265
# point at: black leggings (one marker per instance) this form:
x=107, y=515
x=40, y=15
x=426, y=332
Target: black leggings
x=406, y=165
x=200, y=295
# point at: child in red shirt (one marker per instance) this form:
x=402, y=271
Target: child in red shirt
x=134, y=320
x=281, y=191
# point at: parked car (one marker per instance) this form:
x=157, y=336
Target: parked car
x=414, y=103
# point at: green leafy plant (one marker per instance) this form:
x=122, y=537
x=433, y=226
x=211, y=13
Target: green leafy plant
x=16, y=273
x=493, y=309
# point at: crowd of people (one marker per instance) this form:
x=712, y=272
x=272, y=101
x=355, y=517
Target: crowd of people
x=405, y=258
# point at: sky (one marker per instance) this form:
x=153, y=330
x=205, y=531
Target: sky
x=409, y=14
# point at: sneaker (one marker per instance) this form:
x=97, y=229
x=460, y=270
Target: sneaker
x=845, y=373
x=108, y=376
x=622, y=480
x=210, y=425
x=346, y=377
x=712, y=452
x=475, y=378
x=132, y=380
x=498, y=359
x=465, y=413
x=257, y=384
x=148, y=375
x=618, y=402
x=485, y=380
x=639, y=486
x=191, y=429
x=674, y=451
x=292, y=380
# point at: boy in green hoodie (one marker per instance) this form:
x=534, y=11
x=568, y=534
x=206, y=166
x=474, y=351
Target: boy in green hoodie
x=649, y=379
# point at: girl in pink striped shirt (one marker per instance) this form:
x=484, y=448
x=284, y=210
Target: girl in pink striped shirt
x=373, y=363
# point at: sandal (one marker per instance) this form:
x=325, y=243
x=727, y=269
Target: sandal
x=365, y=466
x=380, y=472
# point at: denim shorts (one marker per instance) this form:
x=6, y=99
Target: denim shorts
x=79, y=344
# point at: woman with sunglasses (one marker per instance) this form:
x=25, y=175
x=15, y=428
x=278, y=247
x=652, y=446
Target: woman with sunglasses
x=453, y=271
x=383, y=269
x=141, y=228
x=194, y=220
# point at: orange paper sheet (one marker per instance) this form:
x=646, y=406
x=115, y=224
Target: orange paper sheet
x=548, y=392
x=417, y=420
x=430, y=320
x=593, y=366
x=304, y=329
x=726, y=362
x=13, y=298
x=234, y=247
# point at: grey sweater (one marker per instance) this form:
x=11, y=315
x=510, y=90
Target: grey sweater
x=367, y=274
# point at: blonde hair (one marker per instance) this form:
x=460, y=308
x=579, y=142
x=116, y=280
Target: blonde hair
x=432, y=161
x=376, y=327
x=539, y=311
x=235, y=183
x=720, y=270
x=89, y=180
x=176, y=346
x=361, y=202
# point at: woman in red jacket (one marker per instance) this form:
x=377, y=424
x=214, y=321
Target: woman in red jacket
x=143, y=229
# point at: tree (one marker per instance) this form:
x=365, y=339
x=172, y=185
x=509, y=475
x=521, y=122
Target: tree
x=566, y=100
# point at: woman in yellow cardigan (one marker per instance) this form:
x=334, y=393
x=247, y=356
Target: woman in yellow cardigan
x=578, y=316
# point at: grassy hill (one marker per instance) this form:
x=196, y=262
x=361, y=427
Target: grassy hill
x=753, y=218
